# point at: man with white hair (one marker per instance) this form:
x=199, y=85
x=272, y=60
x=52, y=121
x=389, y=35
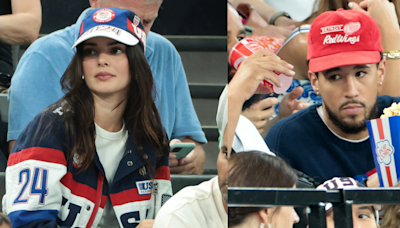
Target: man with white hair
x=35, y=84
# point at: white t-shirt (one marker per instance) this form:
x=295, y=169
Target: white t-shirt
x=110, y=147
x=194, y=207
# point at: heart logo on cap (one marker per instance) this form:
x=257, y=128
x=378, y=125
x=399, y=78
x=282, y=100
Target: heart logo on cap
x=351, y=27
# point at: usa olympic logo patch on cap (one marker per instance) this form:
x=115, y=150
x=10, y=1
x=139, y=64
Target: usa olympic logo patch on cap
x=104, y=16
x=136, y=20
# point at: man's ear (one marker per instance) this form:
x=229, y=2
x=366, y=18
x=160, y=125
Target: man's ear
x=313, y=80
x=381, y=71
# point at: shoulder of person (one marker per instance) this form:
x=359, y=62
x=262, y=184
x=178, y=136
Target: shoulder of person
x=190, y=194
x=57, y=43
x=298, y=120
x=159, y=42
x=52, y=117
x=386, y=101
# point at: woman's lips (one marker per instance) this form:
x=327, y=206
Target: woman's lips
x=103, y=76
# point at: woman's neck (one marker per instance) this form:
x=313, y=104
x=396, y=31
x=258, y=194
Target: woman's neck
x=109, y=112
x=251, y=221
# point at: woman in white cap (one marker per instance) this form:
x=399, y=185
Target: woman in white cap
x=99, y=155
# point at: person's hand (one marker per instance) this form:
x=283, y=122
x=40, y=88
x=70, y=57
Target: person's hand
x=284, y=21
x=276, y=31
x=290, y=104
x=254, y=70
x=185, y=165
x=373, y=181
x=146, y=223
x=260, y=112
x=382, y=11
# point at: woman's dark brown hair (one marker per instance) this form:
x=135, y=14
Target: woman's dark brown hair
x=141, y=116
x=256, y=169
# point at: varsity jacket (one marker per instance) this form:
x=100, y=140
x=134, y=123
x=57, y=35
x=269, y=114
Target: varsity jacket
x=44, y=189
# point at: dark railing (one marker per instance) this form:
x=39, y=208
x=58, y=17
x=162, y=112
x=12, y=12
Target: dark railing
x=342, y=200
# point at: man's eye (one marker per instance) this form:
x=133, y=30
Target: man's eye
x=240, y=38
x=334, y=77
x=360, y=74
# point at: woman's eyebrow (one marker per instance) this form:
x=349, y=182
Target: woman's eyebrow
x=113, y=43
x=89, y=44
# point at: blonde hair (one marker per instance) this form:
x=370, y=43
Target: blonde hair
x=4, y=219
x=392, y=215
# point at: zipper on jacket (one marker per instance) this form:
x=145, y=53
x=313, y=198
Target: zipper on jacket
x=99, y=195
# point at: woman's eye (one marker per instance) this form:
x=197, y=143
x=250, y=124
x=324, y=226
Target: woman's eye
x=88, y=52
x=240, y=38
x=117, y=50
x=360, y=74
x=363, y=216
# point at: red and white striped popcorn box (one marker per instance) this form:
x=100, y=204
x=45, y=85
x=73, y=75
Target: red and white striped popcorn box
x=385, y=144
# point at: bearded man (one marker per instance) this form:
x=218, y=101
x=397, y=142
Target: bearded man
x=346, y=68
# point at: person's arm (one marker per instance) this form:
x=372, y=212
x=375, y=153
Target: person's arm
x=266, y=12
x=260, y=112
x=288, y=106
x=245, y=83
x=34, y=173
x=385, y=16
x=186, y=127
x=23, y=25
x=10, y=146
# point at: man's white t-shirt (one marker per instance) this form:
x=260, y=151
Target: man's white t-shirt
x=194, y=207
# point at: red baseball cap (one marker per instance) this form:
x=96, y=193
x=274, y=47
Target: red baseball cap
x=342, y=38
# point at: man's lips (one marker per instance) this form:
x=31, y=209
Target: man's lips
x=352, y=109
x=103, y=76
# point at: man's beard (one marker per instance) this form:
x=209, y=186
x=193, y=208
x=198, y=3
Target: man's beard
x=353, y=127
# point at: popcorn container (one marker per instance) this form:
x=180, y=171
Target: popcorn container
x=385, y=143
x=246, y=48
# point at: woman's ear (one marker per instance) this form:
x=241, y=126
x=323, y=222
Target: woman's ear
x=265, y=215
